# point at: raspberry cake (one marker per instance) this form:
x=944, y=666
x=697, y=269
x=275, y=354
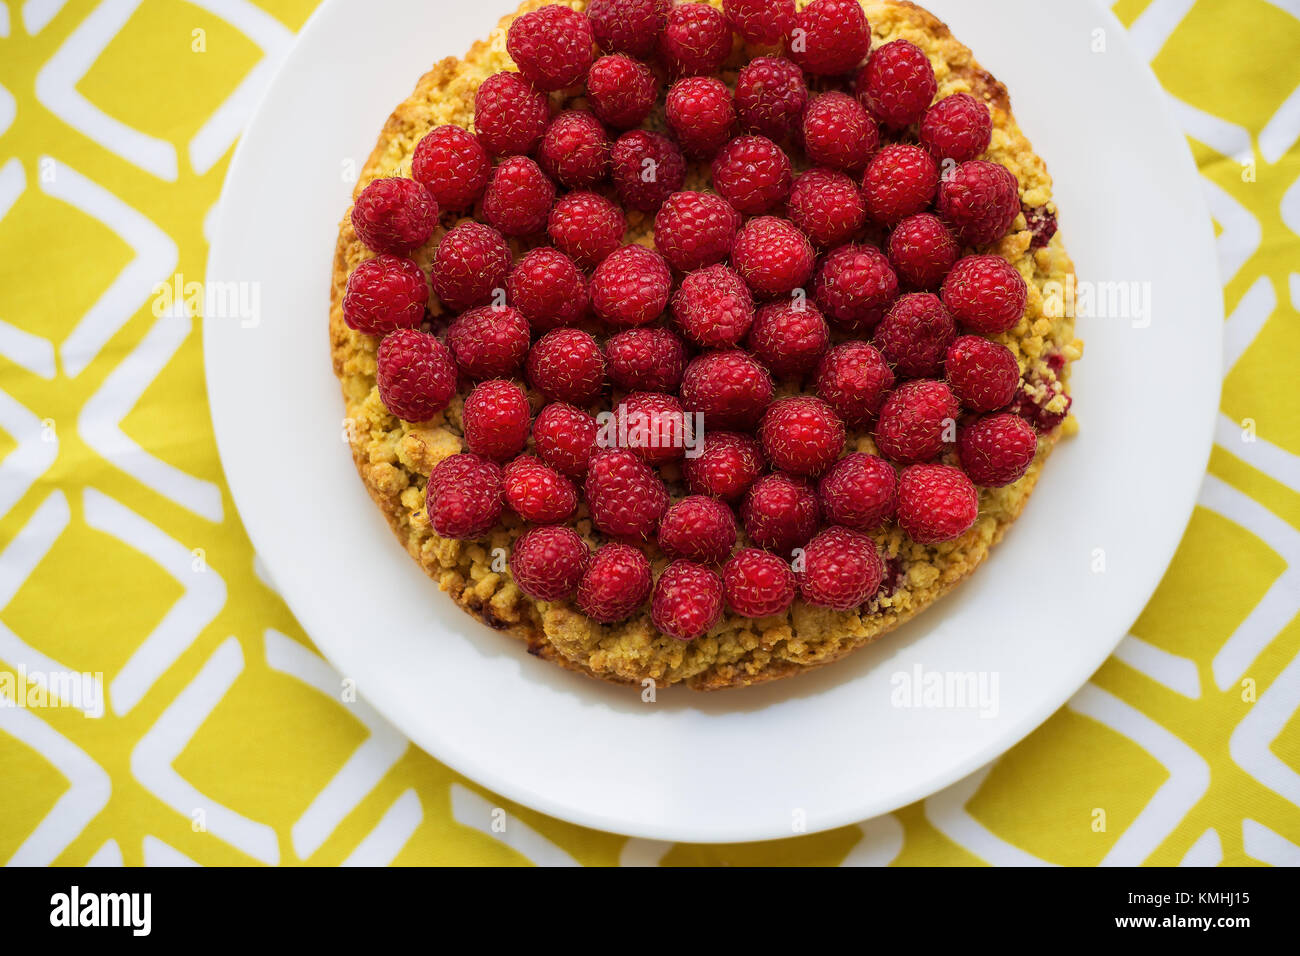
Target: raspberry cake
x=702, y=343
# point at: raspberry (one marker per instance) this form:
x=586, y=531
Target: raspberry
x=842, y=568
x=763, y=22
x=621, y=91
x=652, y=425
x=509, y=115
x=982, y=374
x=772, y=256
x=548, y=289
x=698, y=529
x=463, y=497
x=936, y=503
x=827, y=207
x=700, y=114
x=915, y=334
x=752, y=173
x=997, y=449
x=693, y=230
x=922, y=250
x=551, y=46
x=897, y=84
x=837, y=132
x=548, y=563
x=615, y=585
x=1042, y=225
x=713, y=307
x=470, y=263
x=728, y=388
x=383, y=294
x=519, y=197
x=625, y=496
x=986, y=294
x=687, y=598
x=801, y=435
x=574, y=151
x=394, y=215
x=453, y=165
x=917, y=421
x=789, y=338
x=757, y=583
x=565, y=437
x=770, y=96
x=830, y=36
x=566, y=366
x=854, y=379
x=1031, y=405
x=958, y=127
x=727, y=465
x=899, y=182
x=980, y=200
x=489, y=342
x=854, y=286
x=537, y=492
x=586, y=227
x=646, y=168
x=696, y=40
x=779, y=513
x=645, y=360
x=859, y=492
x=628, y=26
x=631, y=286
x=416, y=375
x=495, y=419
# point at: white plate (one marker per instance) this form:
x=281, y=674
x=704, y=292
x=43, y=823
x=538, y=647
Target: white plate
x=825, y=749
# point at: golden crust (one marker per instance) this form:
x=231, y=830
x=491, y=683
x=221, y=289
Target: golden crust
x=394, y=458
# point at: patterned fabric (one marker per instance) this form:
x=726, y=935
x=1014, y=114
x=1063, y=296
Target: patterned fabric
x=224, y=739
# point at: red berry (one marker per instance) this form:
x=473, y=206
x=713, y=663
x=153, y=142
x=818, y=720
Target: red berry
x=757, y=583
x=509, y=115
x=519, y=197
x=917, y=421
x=394, y=215
x=986, y=294
x=997, y=449
x=699, y=529
x=551, y=46
x=770, y=96
x=586, y=227
x=628, y=26
x=693, y=230
x=900, y=182
x=801, y=435
x=566, y=365
x=469, y=265
x=548, y=289
x=687, y=598
x=779, y=513
x=854, y=379
x=837, y=132
x=625, y=496
x=565, y=437
x=537, y=492
x=463, y=497
x=713, y=307
x=727, y=465
x=631, y=286
x=416, y=375
x=958, y=127
x=789, y=337
x=915, y=334
x=700, y=114
x=830, y=36
x=653, y=426
x=615, y=585
x=489, y=342
x=495, y=419
x=763, y=22
x=453, y=165
x=922, y=250
x=854, y=286
x=728, y=388
x=548, y=563
x=383, y=294
x=752, y=173
x=827, y=207
x=465, y=469
x=980, y=200
x=646, y=168
x=897, y=84
x=645, y=360
x=574, y=151
x=696, y=39
x=1031, y=405
x=621, y=91
x=859, y=492
x=936, y=503
x=842, y=569
x=982, y=374
x=772, y=256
